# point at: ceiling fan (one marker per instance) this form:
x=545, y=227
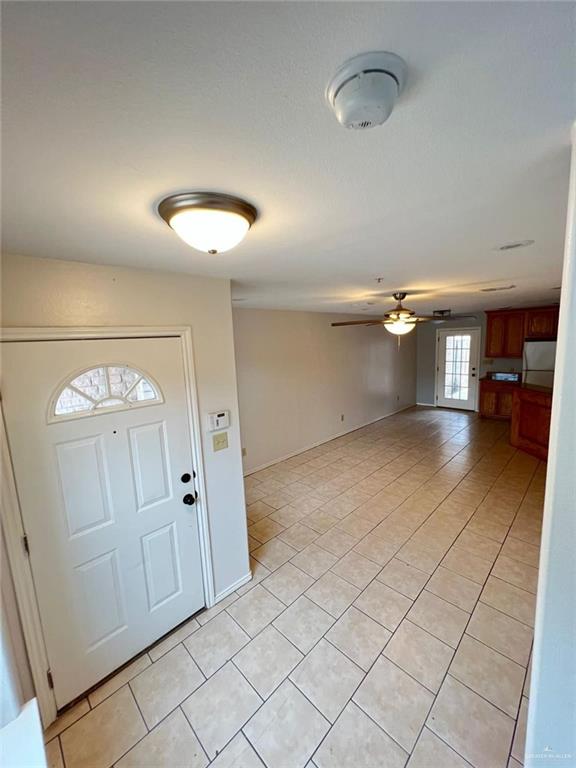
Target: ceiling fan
x=401, y=320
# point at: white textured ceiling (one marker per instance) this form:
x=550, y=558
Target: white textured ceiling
x=108, y=107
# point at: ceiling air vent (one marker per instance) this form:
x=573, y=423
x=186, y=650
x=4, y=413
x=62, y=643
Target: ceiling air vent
x=514, y=245
x=498, y=288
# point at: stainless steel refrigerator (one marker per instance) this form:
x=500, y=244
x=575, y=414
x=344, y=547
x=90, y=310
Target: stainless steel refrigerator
x=538, y=363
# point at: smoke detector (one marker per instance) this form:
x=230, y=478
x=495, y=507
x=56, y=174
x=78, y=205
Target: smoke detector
x=364, y=90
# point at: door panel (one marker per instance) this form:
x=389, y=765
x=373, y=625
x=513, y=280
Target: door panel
x=505, y=333
x=505, y=404
x=114, y=552
x=102, y=599
x=161, y=565
x=495, y=336
x=487, y=402
x=84, y=485
x=457, y=368
x=514, y=334
x=149, y=464
x=542, y=323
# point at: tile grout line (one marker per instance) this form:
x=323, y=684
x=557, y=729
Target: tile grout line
x=381, y=653
x=447, y=673
x=437, y=566
x=413, y=490
x=455, y=650
x=434, y=694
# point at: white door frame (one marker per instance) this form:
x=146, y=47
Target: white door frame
x=437, y=361
x=11, y=514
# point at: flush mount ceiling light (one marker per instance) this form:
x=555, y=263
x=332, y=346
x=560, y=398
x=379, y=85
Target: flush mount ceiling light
x=515, y=244
x=208, y=221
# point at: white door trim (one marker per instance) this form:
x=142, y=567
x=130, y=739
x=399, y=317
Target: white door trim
x=13, y=529
x=437, y=361
x=11, y=515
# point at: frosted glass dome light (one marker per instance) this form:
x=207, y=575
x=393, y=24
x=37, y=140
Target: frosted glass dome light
x=209, y=230
x=209, y=222
x=399, y=327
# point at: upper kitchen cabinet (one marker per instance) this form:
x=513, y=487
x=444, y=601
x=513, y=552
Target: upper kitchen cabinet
x=505, y=333
x=507, y=329
x=542, y=323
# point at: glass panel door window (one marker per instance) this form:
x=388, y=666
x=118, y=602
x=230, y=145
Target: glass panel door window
x=457, y=368
x=107, y=387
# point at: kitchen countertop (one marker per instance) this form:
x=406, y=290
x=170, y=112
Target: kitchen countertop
x=520, y=385
x=537, y=388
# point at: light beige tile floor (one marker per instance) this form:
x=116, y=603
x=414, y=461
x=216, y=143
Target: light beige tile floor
x=388, y=622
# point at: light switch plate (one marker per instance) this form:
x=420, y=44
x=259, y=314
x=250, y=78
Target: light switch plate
x=220, y=441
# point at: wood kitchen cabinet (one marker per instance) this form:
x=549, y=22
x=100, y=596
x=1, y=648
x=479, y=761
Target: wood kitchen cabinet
x=505, y=333
x=507, y=329
x=496, y=399
x=495, y=332
x=531, y=412
x=542, y=323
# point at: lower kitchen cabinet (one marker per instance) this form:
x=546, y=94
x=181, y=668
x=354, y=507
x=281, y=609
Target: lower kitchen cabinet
x=496, y=399
x=531, y=413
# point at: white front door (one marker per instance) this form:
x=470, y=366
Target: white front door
x=101, y=446
x=457, y=368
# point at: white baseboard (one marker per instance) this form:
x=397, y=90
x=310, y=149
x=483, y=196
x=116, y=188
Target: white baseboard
x=326, y=440
x=428, y=405
x=228, y=591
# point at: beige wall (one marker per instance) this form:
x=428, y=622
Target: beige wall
x=297, y=375
x=42, y=292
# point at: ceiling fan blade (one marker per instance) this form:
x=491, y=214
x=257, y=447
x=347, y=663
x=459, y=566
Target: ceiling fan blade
x=359, y=322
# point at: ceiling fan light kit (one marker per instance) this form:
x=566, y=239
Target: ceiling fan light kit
x=208, y=221
x=400, y=320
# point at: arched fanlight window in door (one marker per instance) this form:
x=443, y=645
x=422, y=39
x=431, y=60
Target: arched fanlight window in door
x=100, y=389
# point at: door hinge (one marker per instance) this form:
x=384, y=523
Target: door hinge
x=25, y=544
x=50, y=678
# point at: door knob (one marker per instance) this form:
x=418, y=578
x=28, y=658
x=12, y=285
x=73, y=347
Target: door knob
x=189, y=498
